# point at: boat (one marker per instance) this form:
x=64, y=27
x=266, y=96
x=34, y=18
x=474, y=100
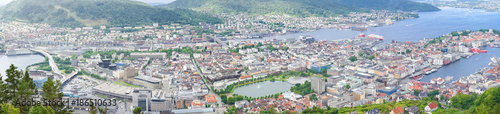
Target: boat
x=494, y=61
x=358, y=28
x=416, y=76
x=440, y=81
x=14, y=52
x=478, y=50
x=437, y=81
x=375, y=37
x=448, y=78
x=361, y=35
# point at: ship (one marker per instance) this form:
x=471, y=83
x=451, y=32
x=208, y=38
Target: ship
x=416, y=76
x=361, y=35
x=359, y=28
x=14, y=52
x=478, y=50
x=431, y=71
x=375, y=37
x=494, y=61
x=437, y=81
x=448, y=78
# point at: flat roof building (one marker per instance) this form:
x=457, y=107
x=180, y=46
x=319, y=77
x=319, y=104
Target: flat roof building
x=148, y=81
x=113, y=90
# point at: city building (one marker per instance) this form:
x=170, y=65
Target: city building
x=150, y=55
x=318, y=85
x=148, y=81
x=142, y=98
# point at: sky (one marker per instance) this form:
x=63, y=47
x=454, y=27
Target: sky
x=3, y=2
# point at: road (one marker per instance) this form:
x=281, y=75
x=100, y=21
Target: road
x=52, y=64
x=54, y=67
x=220, y=42
x=220, y=109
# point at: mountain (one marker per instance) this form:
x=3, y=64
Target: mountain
x=404, y=5
x=300, y=8
x=77, y=13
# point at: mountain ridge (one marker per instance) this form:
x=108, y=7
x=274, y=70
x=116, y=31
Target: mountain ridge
x=300, y=8
x=403, y=5
x=78, y=13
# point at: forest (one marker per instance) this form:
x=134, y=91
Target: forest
x=117, y=13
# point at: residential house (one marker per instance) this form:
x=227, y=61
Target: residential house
x=431, y=107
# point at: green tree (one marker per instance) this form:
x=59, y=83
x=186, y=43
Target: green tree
x=25, y=90
x=258, y=44
x=224, y=98
x=137, y=110
x=313, y=97
x=93, y=109
x=103, y=110
x=348, y=86
x=41, y=110
x=416, y=92
x=239, y=98
x=13, y=80
x=9, y=109
x=51, y=91
x=433, y=94
x=353, y=58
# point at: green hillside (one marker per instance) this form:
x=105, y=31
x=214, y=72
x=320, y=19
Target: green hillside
x=76, y=13
x=404, y=5
x=486, y=103
x=300, y=8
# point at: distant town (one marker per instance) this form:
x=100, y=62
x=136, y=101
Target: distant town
x=199, y=68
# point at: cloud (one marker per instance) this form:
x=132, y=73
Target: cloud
x=3, y=2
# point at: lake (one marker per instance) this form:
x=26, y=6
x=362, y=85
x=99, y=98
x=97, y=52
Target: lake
x=264, y=88
x=20, y=61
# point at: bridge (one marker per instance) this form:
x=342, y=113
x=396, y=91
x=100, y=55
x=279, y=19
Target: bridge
x=55, y=69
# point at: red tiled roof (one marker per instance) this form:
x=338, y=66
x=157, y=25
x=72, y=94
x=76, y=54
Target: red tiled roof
x=398, y=110
x=432, y=105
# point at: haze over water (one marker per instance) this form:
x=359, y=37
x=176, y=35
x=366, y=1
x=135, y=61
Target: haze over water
x=428, y=25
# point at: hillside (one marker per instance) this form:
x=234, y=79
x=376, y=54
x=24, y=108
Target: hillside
x=486, y=103
x=404, y=5
x=77, y=13
x=300, y=8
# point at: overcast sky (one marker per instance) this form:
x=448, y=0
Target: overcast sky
x=3, y=2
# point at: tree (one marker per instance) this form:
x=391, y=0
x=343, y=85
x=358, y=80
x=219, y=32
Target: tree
x=258, y=44
x=416, y=92
x=9, y=109
x=348, y=86
x=51, y=91
x=25, y=90
x=433, y=93
x=41, y=110
x=13, y=80
x=353, y=58
x=313, y=97
x=239, y=98
x=93, y=109
x=223, y=97
x=137, y=110
x=231, y=100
